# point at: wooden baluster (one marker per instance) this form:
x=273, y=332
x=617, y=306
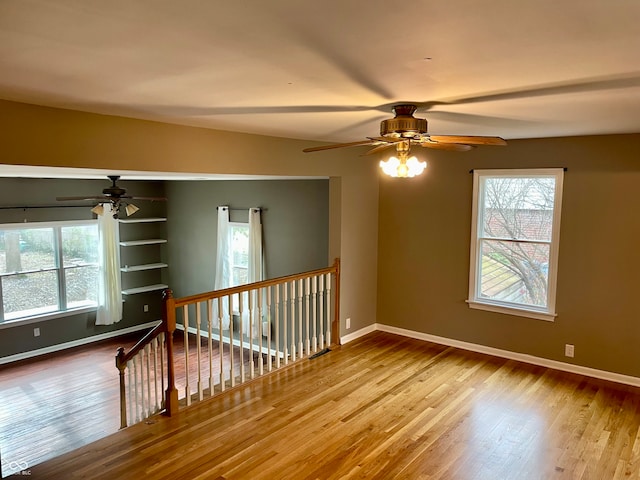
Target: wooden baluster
x=300, y=337
x=169, y=321
x=328, y=306
x=221, y=344
x=277, y=325
x=198, y=307
x=314, y=297
x=260, y=333
x=231, y=367
x=269, y=321
x=321, y=312
x=285, y=303
x=185, y=324
x=210, y=342
x=241, y=333
x=121, y=366
x=307, y=344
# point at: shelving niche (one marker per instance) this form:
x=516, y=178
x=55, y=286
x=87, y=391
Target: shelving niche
x=150, y=265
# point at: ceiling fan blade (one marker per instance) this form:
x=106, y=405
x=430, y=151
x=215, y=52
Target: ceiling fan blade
x=469, y=140
x=67, y=199
x=338, y=145
x=151, y=199
x=389, y=140
x=454, y=147
x=377, y=149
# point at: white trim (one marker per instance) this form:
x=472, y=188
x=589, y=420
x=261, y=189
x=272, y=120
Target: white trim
x=76, y=343
x=520, y=312
x=497, y=352
x=18, y=322
x=358, y=333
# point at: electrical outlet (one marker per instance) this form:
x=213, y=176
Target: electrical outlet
x=36, y=332
x=348, y=323
x=569, y=350
x=145, y=308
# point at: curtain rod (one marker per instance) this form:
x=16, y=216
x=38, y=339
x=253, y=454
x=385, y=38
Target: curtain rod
x=262, y=209
x=25, y=207
x=515, y=168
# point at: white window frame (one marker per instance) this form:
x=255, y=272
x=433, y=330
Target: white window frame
x=63, y=310
x=233, y=265
x=475, y=300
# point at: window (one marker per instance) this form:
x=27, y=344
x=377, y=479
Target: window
x=48, y=268
x=239, y=236
x=514, y=241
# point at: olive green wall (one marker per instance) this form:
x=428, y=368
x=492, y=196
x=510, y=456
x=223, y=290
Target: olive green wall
x=16, y=339
x=33, y=135
x=295, y=227
x=424, y=238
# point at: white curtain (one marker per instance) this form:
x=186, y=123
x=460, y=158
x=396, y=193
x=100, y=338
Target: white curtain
x=223, y=264
x=109, y=289
x=255, y=271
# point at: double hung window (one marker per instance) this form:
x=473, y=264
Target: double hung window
x=514, y=241
x=47, y=268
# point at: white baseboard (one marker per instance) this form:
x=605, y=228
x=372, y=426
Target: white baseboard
x=497, y=352
x=76, y=343
x=236, y=342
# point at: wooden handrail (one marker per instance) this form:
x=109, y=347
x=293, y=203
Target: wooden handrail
x=201, y=297
x=143, y=342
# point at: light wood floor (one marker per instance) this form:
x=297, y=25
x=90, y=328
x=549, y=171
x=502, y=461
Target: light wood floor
x=384, y=407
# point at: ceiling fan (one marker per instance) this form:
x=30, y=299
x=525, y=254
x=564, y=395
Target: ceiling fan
x=114, y=196
x=404, y=131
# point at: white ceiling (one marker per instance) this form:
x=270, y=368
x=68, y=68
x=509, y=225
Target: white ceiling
x=330, y=70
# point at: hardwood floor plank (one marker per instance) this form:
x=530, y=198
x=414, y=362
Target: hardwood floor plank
x=384, y=407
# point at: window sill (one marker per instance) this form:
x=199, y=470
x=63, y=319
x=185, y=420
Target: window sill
x=46, y=316
x=520, y=312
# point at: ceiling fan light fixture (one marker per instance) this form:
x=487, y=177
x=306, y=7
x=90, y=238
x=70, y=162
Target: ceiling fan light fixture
x=131, y=209
x=98, y=209
x=402, y=167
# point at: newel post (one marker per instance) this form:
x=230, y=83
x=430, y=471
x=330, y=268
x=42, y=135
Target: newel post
x=121, y=364
x=169, y=322
x=335, y=326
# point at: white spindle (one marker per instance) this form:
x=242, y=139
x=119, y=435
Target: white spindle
x=300, y=337
x=269, y=320
x=307, y=344
x=292, y=306
x=251, y=294
x=162, y=349
x=277, y=325
x=185, y=324
x=328, y=306
x=147, y=355
x=130, y=390
x=210, y=342
x=199, y=348
x=260, y=333
x=285, y=303
x=321, y=313
x=154, y=349
x=221, y=345
x=314, y=297
x=135, y=386
x=231, y=368
x=241, y=333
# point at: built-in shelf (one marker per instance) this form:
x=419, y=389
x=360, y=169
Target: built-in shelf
x=146, y=288
x=143, y=220
x=150, y=241
x=139, y=268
